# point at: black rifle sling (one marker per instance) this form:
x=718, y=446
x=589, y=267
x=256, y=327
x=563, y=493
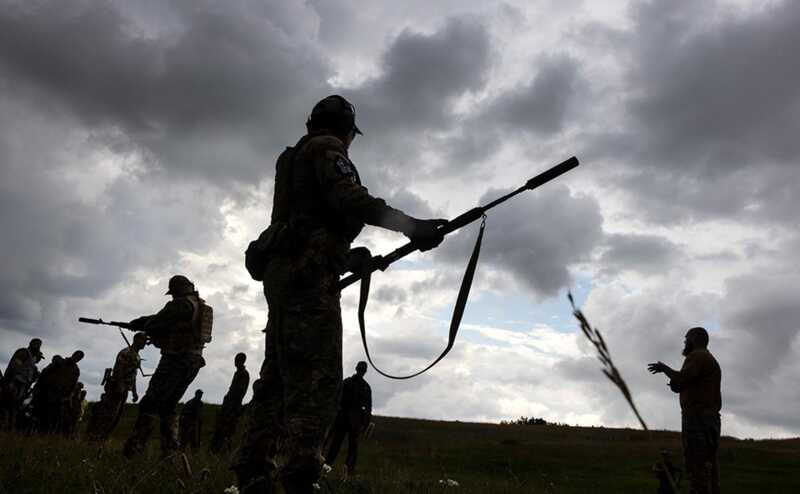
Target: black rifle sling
x=458, y=310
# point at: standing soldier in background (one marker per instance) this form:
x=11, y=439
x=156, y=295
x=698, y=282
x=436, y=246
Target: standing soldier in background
x=319, y=207
x=122, y=379
x=181, y=329
x=64, y=385
x=355, y=414
x=52, y=391
x=698, y=383
x=16, y=383
x=191, y=422
x=72, y=414
x=231, y=409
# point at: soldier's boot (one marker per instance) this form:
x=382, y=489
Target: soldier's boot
x=255, y=481
x=169, y=435
x=136, y=442
x=298, y=484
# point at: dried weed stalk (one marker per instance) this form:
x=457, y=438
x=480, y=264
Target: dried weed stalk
x=610, y=370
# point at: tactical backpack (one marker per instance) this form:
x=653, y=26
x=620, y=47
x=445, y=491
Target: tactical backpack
x=205, y=321
x=276, y=237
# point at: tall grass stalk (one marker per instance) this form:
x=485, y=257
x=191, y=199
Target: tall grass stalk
x=612, y=373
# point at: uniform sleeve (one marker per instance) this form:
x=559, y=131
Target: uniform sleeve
x=175, y=311
x=368, y=400
x=344, y=193
x=690, y=371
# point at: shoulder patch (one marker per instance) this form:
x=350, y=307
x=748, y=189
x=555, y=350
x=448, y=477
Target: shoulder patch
x=346, y=168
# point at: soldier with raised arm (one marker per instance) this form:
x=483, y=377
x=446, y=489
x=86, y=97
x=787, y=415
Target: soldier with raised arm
x=319, y=207
x=180, y=330
x=120, y=381
x=698, y=383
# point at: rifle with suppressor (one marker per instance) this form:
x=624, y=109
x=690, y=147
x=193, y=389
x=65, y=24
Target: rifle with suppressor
x=121, y=326
x=382, y=262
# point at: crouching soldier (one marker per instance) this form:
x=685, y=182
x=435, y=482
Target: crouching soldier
x=122, y=380
x=181, y=329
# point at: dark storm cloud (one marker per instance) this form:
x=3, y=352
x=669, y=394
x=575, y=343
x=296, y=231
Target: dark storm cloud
x=535, y=238
x=423, y=74
x=712, y=111
x=421, y=77
x=539, y=109
x=210, y=96
x=543, y=105
x=648, y=254
x=762, y=318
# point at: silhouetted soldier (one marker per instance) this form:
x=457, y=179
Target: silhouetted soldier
x=191, y=421
x=16, y=383
x=43, y=415
x=231, y=409
x=180, y=330
x=53, y=390
x=319, y=207
x=698, y=383
x=107, y=412
x=72, y=411
x=355, y=414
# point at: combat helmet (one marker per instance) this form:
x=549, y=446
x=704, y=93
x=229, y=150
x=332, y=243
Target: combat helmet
x=333, y=112
x=180, y=285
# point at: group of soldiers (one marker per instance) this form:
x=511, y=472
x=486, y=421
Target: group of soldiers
x=319, y=208
x=50, y=401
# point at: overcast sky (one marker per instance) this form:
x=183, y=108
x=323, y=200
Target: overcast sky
x=138, y=140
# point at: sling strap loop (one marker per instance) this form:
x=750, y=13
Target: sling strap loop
x=458, y=310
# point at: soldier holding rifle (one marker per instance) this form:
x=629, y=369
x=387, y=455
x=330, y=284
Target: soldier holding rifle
x=120, y=381
x=180, y=330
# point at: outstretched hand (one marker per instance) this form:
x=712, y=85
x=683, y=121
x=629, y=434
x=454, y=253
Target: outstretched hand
x=657, y=367
x=427, y=234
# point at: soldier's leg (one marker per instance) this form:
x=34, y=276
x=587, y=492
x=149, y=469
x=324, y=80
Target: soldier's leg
x=184, y=369
x=352, y=449
x=337, y=438
x=312, y=374
x=696, y=455
x=149, y=408
x=254, y=461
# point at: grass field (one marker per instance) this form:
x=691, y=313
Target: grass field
x=411, y=456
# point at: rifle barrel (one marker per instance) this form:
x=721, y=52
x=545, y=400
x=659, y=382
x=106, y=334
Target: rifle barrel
x=382, y=262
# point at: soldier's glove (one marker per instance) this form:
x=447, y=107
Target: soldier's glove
x=135, y=397
x=426, y=234
x=357, y=259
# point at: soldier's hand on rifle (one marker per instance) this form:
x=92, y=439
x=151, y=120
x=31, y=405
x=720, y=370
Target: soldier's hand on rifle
x=357, y=259
x=426, y=234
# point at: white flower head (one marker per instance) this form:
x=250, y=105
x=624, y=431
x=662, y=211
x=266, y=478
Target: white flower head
x=231, y=490
x=449, y=483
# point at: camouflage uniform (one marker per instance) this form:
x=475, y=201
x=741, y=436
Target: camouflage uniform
x=230, y=411
x=107, y=412
x=191, y=423
x=302, y=371
x=173, y=330
x=355, y=414
x=15, y=385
